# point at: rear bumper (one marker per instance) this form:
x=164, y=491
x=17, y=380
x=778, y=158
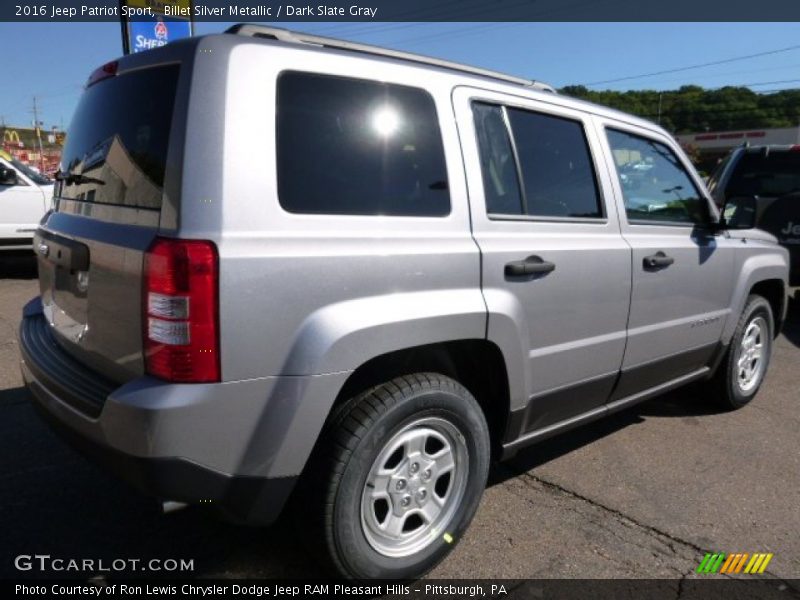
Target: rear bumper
x=232, y=445
x=256, y=500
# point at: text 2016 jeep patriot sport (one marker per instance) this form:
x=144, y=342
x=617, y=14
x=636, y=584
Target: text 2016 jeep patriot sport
x=278, y=259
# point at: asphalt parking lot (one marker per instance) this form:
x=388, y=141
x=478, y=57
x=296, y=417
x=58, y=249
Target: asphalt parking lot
x=643, y=494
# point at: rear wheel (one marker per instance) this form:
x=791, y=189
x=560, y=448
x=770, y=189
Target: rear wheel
x=400, y=472
x=742, y=371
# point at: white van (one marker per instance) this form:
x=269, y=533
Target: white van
x=24, y=197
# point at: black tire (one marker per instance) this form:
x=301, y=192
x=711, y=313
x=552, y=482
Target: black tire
x=725, y=385
x=348, y=450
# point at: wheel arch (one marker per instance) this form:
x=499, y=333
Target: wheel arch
x=774, y=292
x=477, y=364
x=762, y=273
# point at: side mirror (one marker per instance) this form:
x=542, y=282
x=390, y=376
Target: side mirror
x=739, y=212
x=8, y=176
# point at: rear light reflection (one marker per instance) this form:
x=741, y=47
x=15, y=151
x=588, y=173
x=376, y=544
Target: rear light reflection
x=104, y=72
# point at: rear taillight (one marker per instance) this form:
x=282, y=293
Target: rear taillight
x=181, y=316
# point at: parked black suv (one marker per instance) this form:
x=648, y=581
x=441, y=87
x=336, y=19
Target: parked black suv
x=772, y=174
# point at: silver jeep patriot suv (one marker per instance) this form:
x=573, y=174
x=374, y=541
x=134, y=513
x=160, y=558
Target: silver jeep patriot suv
x=284, y=270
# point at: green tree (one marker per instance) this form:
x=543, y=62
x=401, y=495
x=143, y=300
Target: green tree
x=692, y=108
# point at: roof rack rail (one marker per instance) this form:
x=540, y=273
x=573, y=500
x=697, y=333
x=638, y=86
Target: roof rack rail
x=297, y=37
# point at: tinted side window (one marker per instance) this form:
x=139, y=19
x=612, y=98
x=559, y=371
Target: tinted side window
x=558, y=177
x=654, y=183
x=713, y=180
x=500, y=177
x=357, y=147
x=765, y=173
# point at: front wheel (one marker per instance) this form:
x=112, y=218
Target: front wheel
x=745, y=365
x=400, y=470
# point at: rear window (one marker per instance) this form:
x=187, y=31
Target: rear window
x=765, y=174
x=118, y=139
x=356, y=147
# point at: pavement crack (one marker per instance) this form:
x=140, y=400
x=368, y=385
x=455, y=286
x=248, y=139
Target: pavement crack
x=776, y=414
x=668, y=539
x=672, y=539
x=681, y=581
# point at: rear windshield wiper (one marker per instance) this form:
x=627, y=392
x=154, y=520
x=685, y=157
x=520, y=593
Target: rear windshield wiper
x=76, y=178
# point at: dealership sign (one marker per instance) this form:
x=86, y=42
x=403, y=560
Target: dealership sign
x=156, y=32
x=150, y=28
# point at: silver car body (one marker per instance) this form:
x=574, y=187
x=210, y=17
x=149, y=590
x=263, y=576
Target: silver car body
x=307, y=300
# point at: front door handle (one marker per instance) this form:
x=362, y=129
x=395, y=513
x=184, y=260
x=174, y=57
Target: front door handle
x=533, y=265
x=659, y=260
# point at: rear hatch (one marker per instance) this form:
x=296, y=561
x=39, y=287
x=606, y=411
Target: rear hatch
x=106, y=213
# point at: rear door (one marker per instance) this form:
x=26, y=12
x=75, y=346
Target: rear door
x=682, y=270
x=556, y=271
x=107, y=213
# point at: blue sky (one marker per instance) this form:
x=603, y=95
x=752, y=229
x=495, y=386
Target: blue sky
x=52, y=60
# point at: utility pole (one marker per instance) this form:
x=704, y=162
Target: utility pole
x=660, y=94
x=38, y=131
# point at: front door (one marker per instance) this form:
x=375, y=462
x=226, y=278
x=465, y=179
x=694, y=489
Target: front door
x=682, y=270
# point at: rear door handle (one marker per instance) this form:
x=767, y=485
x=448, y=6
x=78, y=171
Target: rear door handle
x=659, y=260
x=533, y=265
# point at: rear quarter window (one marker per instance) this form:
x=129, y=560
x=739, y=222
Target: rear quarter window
x=357, y=147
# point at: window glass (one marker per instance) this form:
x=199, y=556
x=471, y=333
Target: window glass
x=500, y=178
x=558, y=178
x=356, y=147
x=119, y=137
x=765, y=173
x=34, y=176
x=713, y=180
x=654, y=183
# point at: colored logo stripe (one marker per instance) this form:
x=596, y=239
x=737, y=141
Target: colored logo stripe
x=734, y=563
x=758, y=563
x=711, y=563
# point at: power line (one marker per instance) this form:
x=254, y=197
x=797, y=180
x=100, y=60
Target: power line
x=708, y=89
x=770, y=82
x=778, y=90
x=716, y=75
x=690, y=67
x=684, y=112
x=36, y=126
